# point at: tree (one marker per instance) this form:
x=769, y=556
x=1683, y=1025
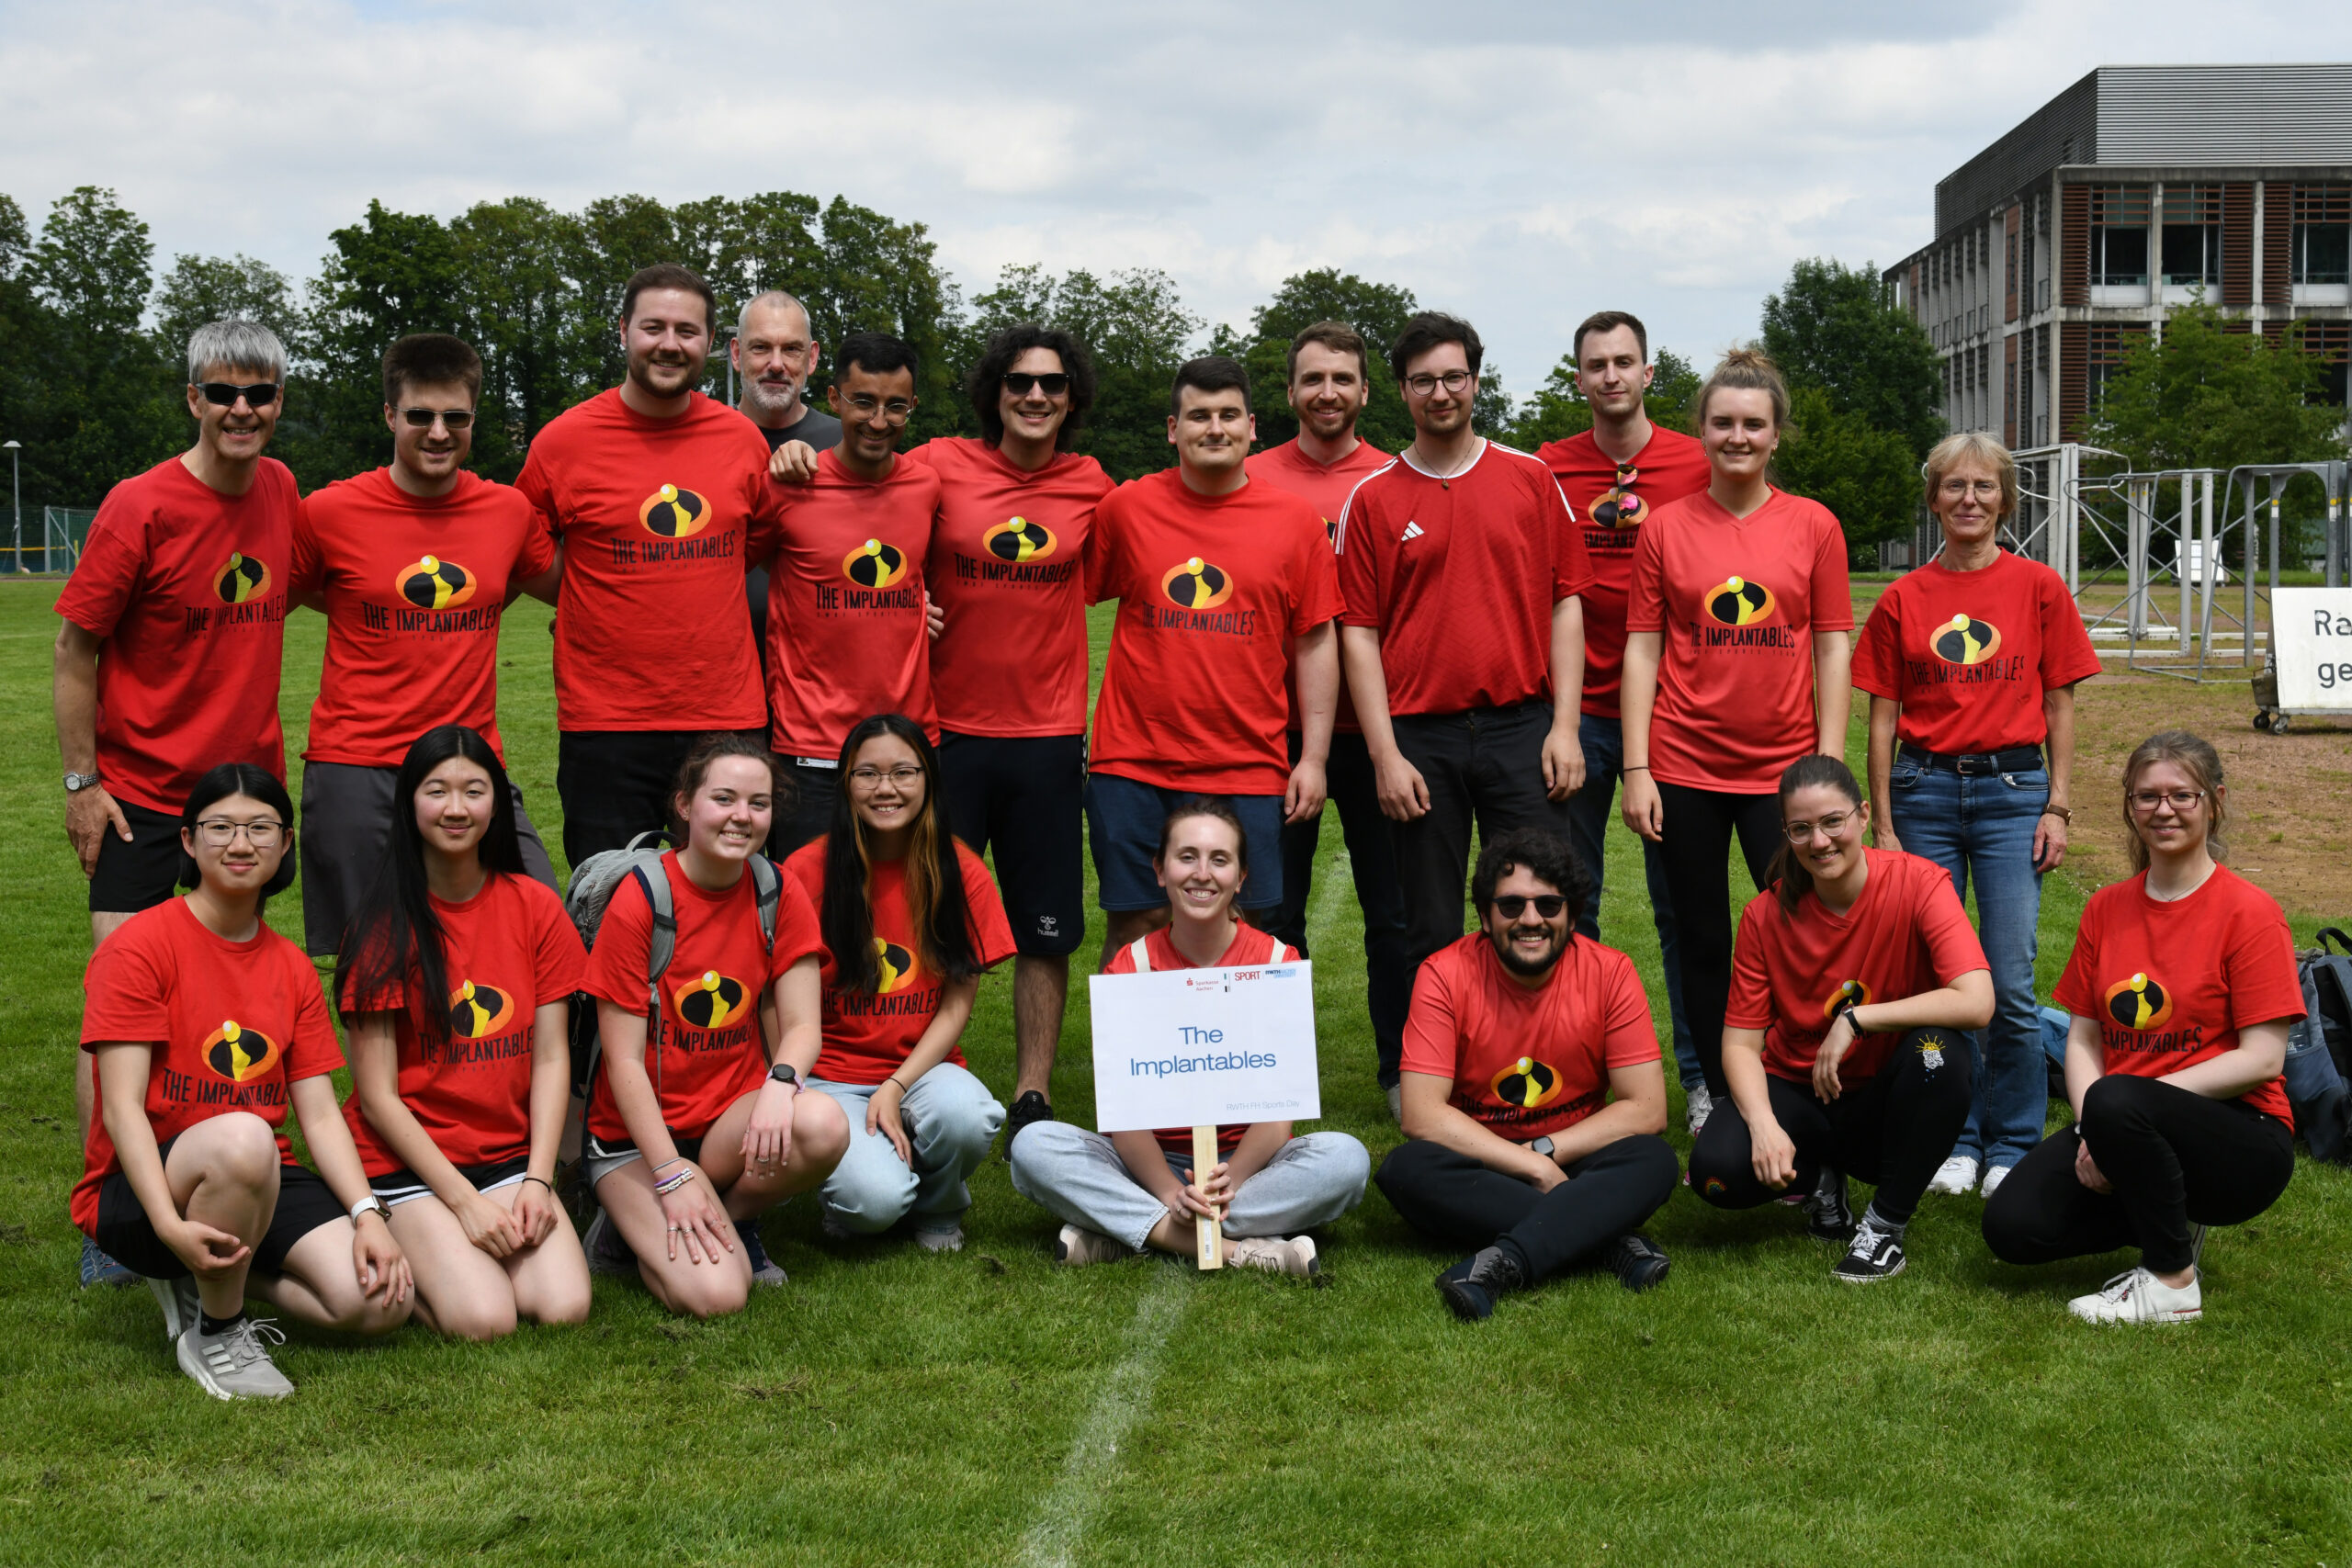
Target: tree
x=1135, y=326
x=1559, y=409
x=102, y=412
x=878, y=274
x=201, y=289
x=1866, y=475
x=520, y=316
x=2204, y=396
x=1839, y=329
x=1377, y=311
x=389, y=275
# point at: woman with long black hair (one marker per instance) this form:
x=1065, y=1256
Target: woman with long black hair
x=456, y=978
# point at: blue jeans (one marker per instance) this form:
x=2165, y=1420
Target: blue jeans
x=950, y=1118
x=1078, y=1175
x=1981, y=826
x=1590, y=812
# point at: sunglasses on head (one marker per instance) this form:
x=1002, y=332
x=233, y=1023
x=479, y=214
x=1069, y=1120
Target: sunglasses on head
x=1510, y=905
x=422, y=419
x=224, y=394
x=1052, y=383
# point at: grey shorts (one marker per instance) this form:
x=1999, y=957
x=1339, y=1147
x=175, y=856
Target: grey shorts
x=346, y=825
x=603, y=1159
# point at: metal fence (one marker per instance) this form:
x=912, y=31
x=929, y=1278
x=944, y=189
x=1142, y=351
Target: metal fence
x=49, y=545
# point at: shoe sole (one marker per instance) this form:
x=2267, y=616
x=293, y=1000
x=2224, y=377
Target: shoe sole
x=1464, y=1307
x=2192, y=1316
x=1845, y=1278
x=1647, y=1278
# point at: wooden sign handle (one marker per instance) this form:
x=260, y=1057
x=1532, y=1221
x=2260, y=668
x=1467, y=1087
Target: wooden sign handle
x=1212, y=1249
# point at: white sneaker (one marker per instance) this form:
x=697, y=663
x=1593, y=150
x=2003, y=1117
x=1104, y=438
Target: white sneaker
x=1994, y=1176
x=1396, y=1103
x=235, y=1364
x=1077, y=1246
x=1698, y=1106
x=1956, y=1176
x=2140, y=1297
x=1294, y=1255
x=948, y=1238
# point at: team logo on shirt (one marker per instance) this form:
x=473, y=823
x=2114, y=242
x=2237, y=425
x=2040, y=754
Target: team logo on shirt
x=1965, y=639
x=2139, y=1004
x=1526, y=1083
x=673, y=513
x=477, y=1012
x=874, y=564
x=241, y=580
x=1018, y=539
x=1619, y=506
x=239, y=1053
x=894, y=967
x=1736, y=602
x=1197, y=585
x=1850, y=993
x=712, y=1000
x=432, y=583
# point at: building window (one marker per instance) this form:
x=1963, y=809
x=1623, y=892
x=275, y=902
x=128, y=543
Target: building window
x=2107, y=346
x=2192, y=236
x=2119, y=236
x=2322, y=246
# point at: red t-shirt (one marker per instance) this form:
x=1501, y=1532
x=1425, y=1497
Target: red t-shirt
x=2172, y=984
x=867, y=1037
x=1007, y=568
x=1212, y=590
x=1459, y=575
x=1738, y=600
x=185, y=590
x=1326, y=487
x=510, y=950
x=1527, y=1063
x=651, y=627
x=1790, y=974
x=1969, y=654
x=231, y=1024
x=415, y=587
x=712, y=1051
x=845, y=623
x=1249, y=946
x=1615, y=500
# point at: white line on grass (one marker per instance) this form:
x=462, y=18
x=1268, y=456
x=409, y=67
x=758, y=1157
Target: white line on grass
x=1094, y=1460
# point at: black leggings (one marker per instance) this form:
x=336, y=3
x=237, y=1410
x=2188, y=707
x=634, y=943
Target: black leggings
x=1451, y=1197
x=1892, y=1130
x=2172, y=1156
x=1696, y=850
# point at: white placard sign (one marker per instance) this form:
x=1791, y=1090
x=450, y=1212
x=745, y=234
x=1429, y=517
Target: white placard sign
x=2312, y=631
x=1188, y=1047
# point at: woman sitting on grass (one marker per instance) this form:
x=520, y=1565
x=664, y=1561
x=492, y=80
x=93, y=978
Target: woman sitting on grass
x=1130, y=1192
x=1854, y=978
x=2180, y=990
x=456, y=976
x=692, y=1139
x=910, y=919
x=204, y=1026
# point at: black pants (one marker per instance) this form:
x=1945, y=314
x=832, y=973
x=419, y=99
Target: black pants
x=617, y=783
x=808, y=815
x=1892, y=1130
x=1372, y=857
x=1451, y=1197
x=1487, y=763
x=1696, y=846
x=2172, y=1156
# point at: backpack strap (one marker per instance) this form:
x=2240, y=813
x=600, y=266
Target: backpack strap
x=2334, y=934
x=768, y=883
x=1140, y=950
x=662, y=945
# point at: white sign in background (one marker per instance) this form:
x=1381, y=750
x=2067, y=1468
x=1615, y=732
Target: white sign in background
x=2311, y=634
x=1188, y=1047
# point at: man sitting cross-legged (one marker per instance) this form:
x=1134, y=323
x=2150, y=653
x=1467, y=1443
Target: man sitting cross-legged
x=1532, y=1092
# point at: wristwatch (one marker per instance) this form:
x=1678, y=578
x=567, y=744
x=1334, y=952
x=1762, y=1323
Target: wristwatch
x=2063, y=813
x=1543, y=1147
x=76, y=783
x=782, y=1073
x=371, y=1204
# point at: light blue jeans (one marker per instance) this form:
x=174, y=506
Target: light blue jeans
x=1980, y=826
x=951, y=1119
x=1079, y=1176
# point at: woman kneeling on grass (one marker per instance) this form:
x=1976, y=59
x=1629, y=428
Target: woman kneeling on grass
x=1131, y=1190
x=910, y=917
x=456, y=976
x=1854, y=979
x=2182, y=989
x=204, y=1026
x=685, y=1155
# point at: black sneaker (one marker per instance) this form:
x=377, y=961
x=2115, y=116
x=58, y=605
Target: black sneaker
x=1027, y=1107
x=766, y=1270
x=1638, y=1262
x=607, y=1253
x=1471, y=1286
x=1829, y=1216
x=1873, y=1256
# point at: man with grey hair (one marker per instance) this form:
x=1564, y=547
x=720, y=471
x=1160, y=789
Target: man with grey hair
x=775, y=353
x=167, y=664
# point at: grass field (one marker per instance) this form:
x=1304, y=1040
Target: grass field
x=891, y=1406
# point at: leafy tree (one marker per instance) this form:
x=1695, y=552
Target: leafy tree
x=2205, y=397
x=389, y=275
x=520, y=318
x=1559, y=409
x=201, y=289
x=1866, y=475
x=1134, y=326
x=1378, y=310
x=103, y=414
x=878, y=274
x=1838, y=329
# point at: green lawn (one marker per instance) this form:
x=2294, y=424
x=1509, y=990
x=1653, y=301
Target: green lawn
x=893, y=1407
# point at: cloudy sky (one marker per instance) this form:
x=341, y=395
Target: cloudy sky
x=1523, y=163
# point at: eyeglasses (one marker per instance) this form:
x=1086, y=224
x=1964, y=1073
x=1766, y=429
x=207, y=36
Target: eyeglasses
x=2145, y=801
x=1421, y=385
x=224, y=394
x=1052, y=383
x=1830, y=826
x=423, y=419
x=220, y=832
x=896, y=411
x=1510, y=905
x=871, y=778
x=1983, y=489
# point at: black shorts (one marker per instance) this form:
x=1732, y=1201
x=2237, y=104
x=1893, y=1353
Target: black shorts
x=615, y=784
x=398, y=1187
x=141, y=874
x=1025, y=797
x=126, y=1235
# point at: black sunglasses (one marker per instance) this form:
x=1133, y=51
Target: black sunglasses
x=422, y=419
x=1052, y=383
x=1510, y=905
x=224, y=394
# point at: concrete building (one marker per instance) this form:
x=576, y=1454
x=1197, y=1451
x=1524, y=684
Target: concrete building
x=2130, y=194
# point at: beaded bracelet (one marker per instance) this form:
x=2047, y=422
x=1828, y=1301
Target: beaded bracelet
x=663, y=1188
